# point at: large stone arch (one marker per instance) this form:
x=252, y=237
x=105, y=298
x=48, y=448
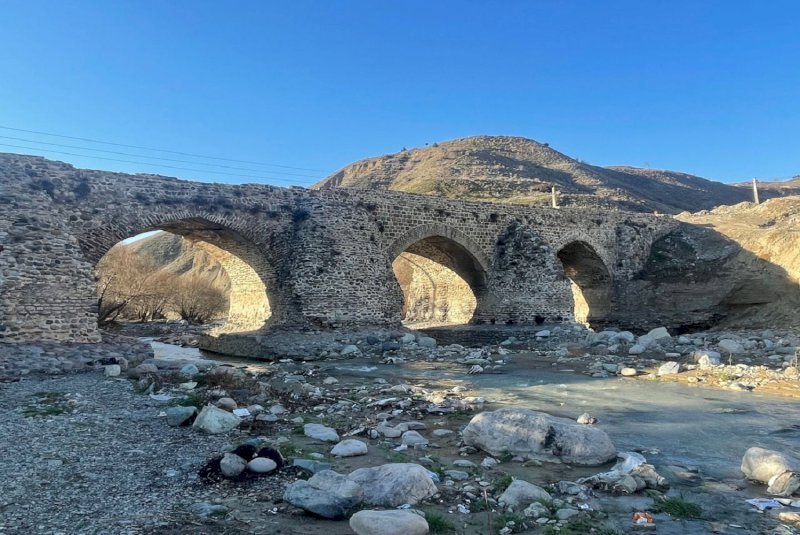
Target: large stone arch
x=258, y=296
x=442, y=273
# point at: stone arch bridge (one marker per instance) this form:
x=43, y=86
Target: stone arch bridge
x=318, y=258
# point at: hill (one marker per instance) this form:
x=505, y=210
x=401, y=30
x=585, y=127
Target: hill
x=517, y=170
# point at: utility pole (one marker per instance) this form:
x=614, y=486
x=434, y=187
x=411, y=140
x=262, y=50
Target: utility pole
x=554, y=197
x=755, y=191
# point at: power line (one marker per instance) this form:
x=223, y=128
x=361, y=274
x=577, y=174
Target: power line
x=161, y=150
x=153, y=157
x=276, y=179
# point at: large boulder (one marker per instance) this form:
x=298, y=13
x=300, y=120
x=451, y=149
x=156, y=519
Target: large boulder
x=214, y=420
x=394, y=484
x=327, y=494
x=388, y=523
x=779, y=471
x=537, y=435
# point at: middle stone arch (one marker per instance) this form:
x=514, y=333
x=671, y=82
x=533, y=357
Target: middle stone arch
x=442, y=275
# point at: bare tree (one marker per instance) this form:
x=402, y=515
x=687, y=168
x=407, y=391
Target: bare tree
x=198, y=301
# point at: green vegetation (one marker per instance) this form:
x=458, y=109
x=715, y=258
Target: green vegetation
x=516, y=523
x=583, y=526
x=46, y=404
x=438, y=523
x=501, y=484
x=677, y=507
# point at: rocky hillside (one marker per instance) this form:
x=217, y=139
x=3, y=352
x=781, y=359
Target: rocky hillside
x=734, y=266
x=522, y=171
x=182, y=257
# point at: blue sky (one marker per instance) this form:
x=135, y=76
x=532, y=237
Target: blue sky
x=707, y=87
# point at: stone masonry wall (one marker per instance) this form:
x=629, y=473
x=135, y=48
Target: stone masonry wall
x=324, y=257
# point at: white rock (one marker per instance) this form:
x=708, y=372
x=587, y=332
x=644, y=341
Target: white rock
x=261, y=465
x=536, y=510
x=231, y=465
x=543, y=334
x=214, y=420
x=536, y=435
x=521, y=493
x=396, y=522
x=669, y=368
x=659, y=333
x=441, y=433
x=321, y=432
x=705, y=358
x=226, y=404
x=412, y=438
x=349, y=447
x=349, y=350
x=113, y=370
x=628, y=372
x=760, y=464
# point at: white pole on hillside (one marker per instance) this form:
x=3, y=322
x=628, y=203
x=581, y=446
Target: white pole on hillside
x=554, y=197
x=755, y=191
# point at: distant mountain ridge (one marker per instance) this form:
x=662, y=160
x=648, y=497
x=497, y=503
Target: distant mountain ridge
x=517, y=170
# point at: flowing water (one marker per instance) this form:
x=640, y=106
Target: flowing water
x=673, y=423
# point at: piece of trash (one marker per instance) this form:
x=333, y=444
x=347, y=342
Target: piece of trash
x=762, y=504
x=404, y=506
x=241, y=413
x=401, y=447
x=160, y=397
x=463, y=510
x=641, y=517
x=584, y=507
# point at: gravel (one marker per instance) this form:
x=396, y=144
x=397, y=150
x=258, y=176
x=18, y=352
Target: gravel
x=83, y=453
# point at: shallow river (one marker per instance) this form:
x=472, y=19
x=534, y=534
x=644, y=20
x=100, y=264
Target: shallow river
x=674, y=423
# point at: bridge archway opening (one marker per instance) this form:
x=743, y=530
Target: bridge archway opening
x=590, y=282
x=190, y=269
x=441, y=281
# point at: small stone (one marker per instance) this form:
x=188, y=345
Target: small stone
x=398, y=522
x=261, y=465
x=232, y=465
x=628, y=372
x=349, y=448
x=321, y=432
x=521, y=492
x=457, y=475
x=112, y=370
x=349, y=350
x=586, y=419
x=637, y=349
x=427, y=342
x=441, y=433
x=669, y=368
x=190, y=370
x=226, y=404
x=413, y=438
x=177, y=416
